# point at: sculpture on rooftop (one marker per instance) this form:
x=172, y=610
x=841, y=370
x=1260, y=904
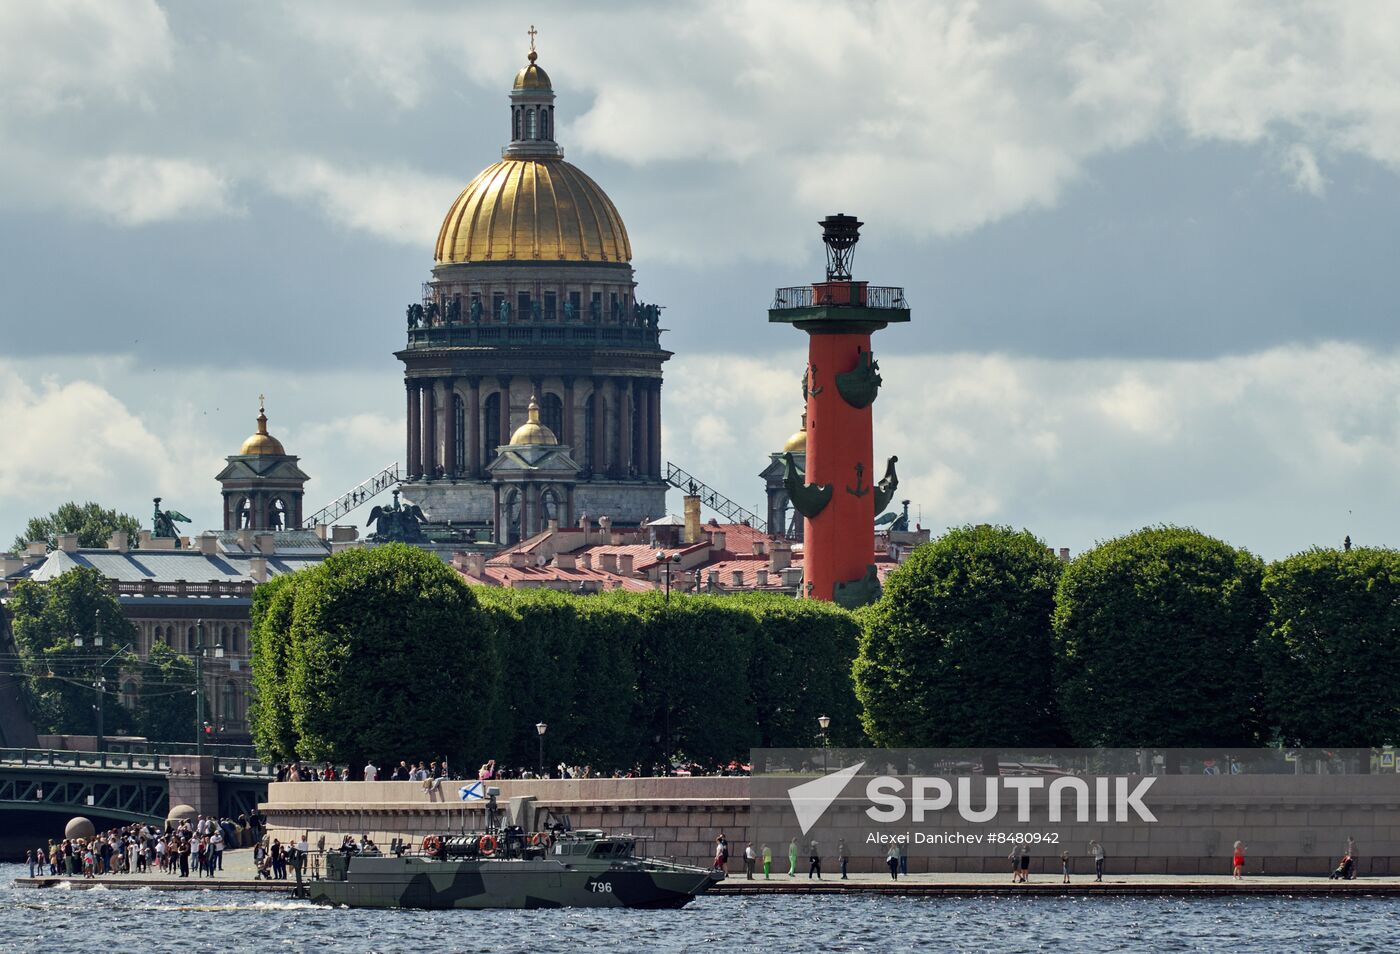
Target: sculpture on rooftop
x=163, y=523
x=396, y=523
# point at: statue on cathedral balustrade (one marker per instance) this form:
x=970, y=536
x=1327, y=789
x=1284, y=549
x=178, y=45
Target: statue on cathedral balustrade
x=535, y=310
x=476, y=310
x=454, y=311
x=415, y=315
x=503, y=313
x=595, y=311
x=568, y=311
x=163, y=523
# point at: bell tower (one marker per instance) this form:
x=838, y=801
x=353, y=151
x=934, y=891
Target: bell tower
x=262, y=484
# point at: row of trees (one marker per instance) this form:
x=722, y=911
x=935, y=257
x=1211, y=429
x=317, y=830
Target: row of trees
x=60, y=678
x=387, y=653
x=1165, y=637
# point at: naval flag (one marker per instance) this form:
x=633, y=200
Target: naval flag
x=471, y=792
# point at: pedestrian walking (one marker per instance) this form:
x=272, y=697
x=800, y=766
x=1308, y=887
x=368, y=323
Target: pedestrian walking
x=1015, y=858
x=1238, y=859
x=29, y=860
x=767, y=861
x=903, y=860
x=749, y=859
x=892, y=861
x=1096, y=850
x=1064, y=865
x=792, y=858
x=814, y=861
x=1025, y=862
x=722, y=853
x=371, y=771
x=843, y=855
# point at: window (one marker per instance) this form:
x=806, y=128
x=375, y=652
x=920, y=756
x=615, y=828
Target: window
x=245, y=514
x=129, y=695
x=522, y=305
x=544, y=123
x=459, y=434
x=234, y=644
x=517, y=125
x=575, y=303
x=590, y=416
x=277, y=515
x=529, y=124
x=549, y=306
x=189, y=640
x=497, y=300
x=491, y=426
x=552, y=414
x=229, y=709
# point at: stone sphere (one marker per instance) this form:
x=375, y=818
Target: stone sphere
x=180, y=813
x=79, y=827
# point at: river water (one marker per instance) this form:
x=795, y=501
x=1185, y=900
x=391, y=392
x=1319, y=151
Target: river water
x=141, y=920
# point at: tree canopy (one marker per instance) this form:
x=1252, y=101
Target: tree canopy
x=93, y=523
x=1156, y=640
x=385, y=655
x=60, y=676
x=957, y=652
x=1332, y=648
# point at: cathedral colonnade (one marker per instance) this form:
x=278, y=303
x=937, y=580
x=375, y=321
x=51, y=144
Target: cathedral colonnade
x=611, y=423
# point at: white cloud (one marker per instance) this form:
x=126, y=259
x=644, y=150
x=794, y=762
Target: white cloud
x=139, y=190
x=60, y=53
x=395, y=204
x=1300, y=163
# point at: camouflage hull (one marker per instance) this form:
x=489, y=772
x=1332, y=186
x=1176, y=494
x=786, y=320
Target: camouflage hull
x=419, y=882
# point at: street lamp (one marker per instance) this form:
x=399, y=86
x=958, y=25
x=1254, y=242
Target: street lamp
x=825, y=723
x=541, y=728
x=198, y=651
x=668, y=562
x=99, y=679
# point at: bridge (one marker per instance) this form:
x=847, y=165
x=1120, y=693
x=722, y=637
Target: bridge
x=732, y=512
x=130, y=786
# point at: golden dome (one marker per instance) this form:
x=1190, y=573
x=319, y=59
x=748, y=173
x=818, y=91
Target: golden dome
x=797, y=443
x=532, y=431
x=262, y=444
x=533, y=210
x=532, y=77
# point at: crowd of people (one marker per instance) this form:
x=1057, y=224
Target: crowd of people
x=431, y=770
x=197, y=845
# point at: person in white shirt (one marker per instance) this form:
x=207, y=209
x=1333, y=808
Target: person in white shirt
x=371, y=772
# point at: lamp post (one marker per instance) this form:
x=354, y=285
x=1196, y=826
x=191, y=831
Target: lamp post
x=198, y=651
x=668, y=562
x=825, y=723
x=99, y=679
x=540, y=729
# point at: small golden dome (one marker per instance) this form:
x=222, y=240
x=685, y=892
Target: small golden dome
x=532, y=76
x=797, y=443
x=262, y=443
x=532, y=431
x=533, y=210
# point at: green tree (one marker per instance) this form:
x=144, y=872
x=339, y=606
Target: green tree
x=388, y=657
x=93, y=523
x=1332, y=648
x=60, y=677
x=800, y=669
x=269, y=645
x=957, y=652
x=165, y=707
x=1156, y=638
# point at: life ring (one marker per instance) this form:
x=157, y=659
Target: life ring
x=540, y=839
x=487, y=845
x=431, y=844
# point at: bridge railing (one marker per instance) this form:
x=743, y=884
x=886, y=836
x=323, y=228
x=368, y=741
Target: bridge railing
x=158, y=762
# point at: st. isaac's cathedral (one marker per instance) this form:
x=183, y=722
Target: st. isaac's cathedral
x=532, y=370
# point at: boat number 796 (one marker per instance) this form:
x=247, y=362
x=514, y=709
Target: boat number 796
x=600, y=887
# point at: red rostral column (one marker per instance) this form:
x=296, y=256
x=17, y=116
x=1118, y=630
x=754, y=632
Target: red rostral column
x=840, y=494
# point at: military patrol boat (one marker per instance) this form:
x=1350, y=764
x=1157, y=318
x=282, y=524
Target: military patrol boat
x=508, y=868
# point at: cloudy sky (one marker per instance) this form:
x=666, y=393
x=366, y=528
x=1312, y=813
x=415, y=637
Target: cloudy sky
x=1151, y=247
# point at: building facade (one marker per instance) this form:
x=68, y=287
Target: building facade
x=532, y=298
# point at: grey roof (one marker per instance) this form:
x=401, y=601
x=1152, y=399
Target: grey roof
x=169, y=566
x=670, y=520
x=290, y=542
